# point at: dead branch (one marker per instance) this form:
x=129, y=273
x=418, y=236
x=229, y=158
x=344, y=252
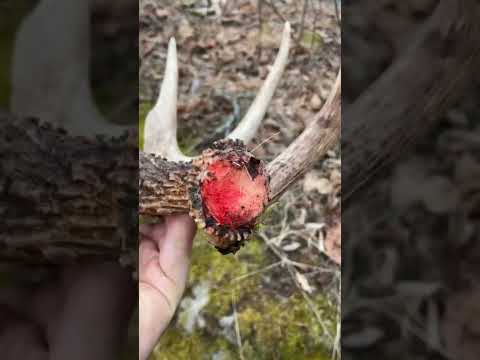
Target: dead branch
x=302, y=21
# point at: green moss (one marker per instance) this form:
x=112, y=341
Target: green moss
x=312, y=40
x=174, y=345
x=287, y=328
x=270, y=327
x=224, y=271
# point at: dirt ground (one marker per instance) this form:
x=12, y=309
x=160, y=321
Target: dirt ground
x=280, y=294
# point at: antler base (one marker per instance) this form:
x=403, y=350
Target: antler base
x=224, y=190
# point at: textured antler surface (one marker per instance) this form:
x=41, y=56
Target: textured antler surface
x=64, y=198
x=428, y=79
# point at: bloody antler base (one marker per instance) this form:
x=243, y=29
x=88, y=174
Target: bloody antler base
x=224, y=190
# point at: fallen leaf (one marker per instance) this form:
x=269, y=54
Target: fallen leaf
x=333, y=242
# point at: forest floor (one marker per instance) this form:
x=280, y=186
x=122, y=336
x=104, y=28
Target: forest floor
x=279, y=296
x=410, y=284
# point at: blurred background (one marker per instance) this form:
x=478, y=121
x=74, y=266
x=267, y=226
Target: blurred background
x=410, y=253
x=112, y=27
x=278, y=297
x=112, y=42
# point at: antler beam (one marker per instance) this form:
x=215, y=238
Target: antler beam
x=428, y=79
x=66, y=198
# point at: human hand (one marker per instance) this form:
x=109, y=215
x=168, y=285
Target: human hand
x=164, y=261
x=80, y=312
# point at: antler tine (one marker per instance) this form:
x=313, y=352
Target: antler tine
x=161, y=122
x=250, y=123
x=64, y=97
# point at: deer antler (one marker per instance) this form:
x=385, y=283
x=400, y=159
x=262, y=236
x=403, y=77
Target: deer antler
x=247, y=128
x=429, y=78
x=52, y=83
x=226, y=188
x=161, y=121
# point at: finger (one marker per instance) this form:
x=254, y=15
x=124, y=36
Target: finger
x=20, y=338
x=176, y=248
x=166, y=267
x=160, y=290
x=46, y=306
x=157, y=296
x=98, y=303
x=39, y=304
x=148, y=257
x=17, y=297
x=154, y=314
x=153, y=231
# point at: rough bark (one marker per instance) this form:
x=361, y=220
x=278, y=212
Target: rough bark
x=65, y=198
x=412, y=94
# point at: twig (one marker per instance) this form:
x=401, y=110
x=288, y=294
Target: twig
x=302, y=21
x=269, y=267
x=310, y=303
x=237, y=326
x=265, y=141
x=314, y=26
x=337, y=12
x=284, y=259
x=275, y=10
x=260, y=28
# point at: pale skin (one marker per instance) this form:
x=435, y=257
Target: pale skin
x=74, y=313
x=164, y=262
x=83, y=311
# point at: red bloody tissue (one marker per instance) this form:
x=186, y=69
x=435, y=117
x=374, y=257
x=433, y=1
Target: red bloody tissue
x=233, y=195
